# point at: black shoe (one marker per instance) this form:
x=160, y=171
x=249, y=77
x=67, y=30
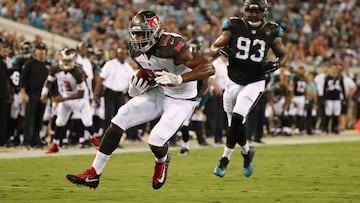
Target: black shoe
x=220, y=170
x=88, y=178
x=248, y=161
x=184, y=152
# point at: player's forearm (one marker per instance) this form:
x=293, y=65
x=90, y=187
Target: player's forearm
x=200, y=72
x=283, y=59
x=78, y=95
x=98, y=86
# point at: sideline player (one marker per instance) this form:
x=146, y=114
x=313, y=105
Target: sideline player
x=70, y=78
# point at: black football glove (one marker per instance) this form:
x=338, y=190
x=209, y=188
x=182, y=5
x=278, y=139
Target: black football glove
x=271, y=66
x=228, y=52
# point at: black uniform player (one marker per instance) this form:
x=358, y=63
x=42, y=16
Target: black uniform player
x=298, y=102
x=334, y=93
x=16, y=125
x=246, y=42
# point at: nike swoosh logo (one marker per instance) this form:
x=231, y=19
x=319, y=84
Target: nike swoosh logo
x=161, y=180
x=87, y=180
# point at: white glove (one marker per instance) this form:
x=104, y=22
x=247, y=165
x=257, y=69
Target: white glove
x=140, y=84
x=166, y=78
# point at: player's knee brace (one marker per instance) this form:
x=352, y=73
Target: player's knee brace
x=159, y=152
x=111, y=139
x=236, y=132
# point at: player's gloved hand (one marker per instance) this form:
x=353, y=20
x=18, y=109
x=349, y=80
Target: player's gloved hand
x=228, y=52
x=271, y=66
x=140, y=84
x=166, y=78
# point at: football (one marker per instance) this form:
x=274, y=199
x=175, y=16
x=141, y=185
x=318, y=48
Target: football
x=146, y=75
x=142, y=73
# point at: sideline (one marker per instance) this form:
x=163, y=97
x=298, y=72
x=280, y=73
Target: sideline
x=347, y=136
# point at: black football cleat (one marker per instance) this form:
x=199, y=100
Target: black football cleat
x=88, y=178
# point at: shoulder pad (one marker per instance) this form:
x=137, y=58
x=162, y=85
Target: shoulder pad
x=234, y=20
x=273, y=28
x=170, y=44
x=78, y=73
x=54, y=69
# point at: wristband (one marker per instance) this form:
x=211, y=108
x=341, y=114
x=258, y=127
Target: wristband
x=44, y=91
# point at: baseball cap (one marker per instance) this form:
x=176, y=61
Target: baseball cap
x=40, y=46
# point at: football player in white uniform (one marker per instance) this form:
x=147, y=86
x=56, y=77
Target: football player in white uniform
x=70, y=78
x=166, y=57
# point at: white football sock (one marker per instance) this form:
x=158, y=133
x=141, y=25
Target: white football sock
x=186, y=145
x=245, y=148
x=100, y=162
x=227, y=152
x=161, y=159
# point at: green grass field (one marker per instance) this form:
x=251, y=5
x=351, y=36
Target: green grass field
x=292, y=173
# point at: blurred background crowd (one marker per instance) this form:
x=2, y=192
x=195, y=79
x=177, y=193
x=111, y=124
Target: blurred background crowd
x=316, y=33
x=317, y=30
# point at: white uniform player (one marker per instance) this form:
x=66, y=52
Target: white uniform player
x=71, y=83
x=166, y=57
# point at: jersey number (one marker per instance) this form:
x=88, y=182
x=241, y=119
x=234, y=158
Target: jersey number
x=244, y=45
x=15, y=78
x=301, y=86
x=333, y=85
x=66, y=86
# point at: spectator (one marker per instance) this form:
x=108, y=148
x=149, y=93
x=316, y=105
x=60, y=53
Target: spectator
x=114, y=77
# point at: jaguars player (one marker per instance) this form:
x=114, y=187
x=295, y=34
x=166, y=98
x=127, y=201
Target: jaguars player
x=167, y=58
x=16, y=125
x=246, y=42
x=70, y=78
x=299, y=83
x=280, y=97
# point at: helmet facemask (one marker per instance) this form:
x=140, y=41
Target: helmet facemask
x=194, y=46
x=142, y=40
x=67, y=60
x=255, y=11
